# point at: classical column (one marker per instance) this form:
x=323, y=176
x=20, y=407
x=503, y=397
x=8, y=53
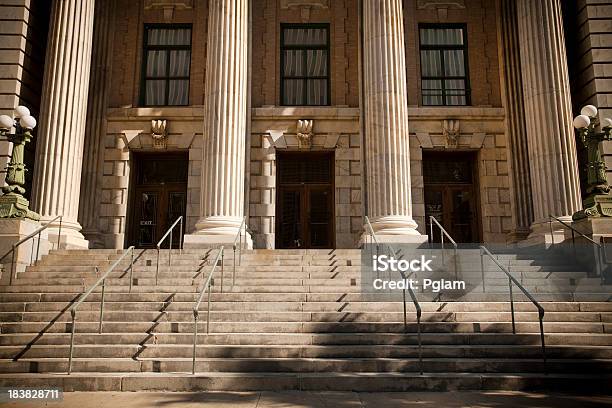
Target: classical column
x=518, y=149
x=386, y=122
x=59, y=151
x=552, y=147
x=225, y=114
x=95, y=130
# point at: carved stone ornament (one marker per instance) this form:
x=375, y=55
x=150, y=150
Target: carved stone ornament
x=168, y=6
x=451, y=132
x=441, y=6
x=304, y=133
x=159, y=133
x=304, y=6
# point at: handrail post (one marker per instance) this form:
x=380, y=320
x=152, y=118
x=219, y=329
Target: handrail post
x=222, y=270
x=181, y=236
x=482, y=270
x=157, y=267
x=541, y=317
x=59, y=233
x=552, y=235
x=38, y=248
x=431, y=236
x=405, y=317
x=234, y=271
x=240, y=247
x=195, y=340
x=102, y=306
x=456, y=267
x=13, y=270
x=208, y=311
x=132, y=270
x=420, y=343
x=72, y=330
x=442, y=248
x=32, y=252
x=512, y=306
x=170, y=253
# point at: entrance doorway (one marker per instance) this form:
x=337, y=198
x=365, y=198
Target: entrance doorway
x=451, y=194
x=159, y=198
x=305, y=200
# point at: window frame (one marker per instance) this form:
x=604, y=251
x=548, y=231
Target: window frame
x=464, y=47
x=167, y=78
x=304, y=78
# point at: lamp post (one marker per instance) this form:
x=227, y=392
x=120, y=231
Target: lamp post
x=591, y=133
x=12, y=203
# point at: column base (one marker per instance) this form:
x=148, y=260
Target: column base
x=214, y=241
x=13, y=230
x=541, y=235
x=68, y=236
x=394, y=229
x=215, y=231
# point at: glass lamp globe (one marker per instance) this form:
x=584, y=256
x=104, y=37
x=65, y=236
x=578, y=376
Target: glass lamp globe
x=22, y=111
x=27, y=122
x=6, y=122
x=589, y=110
x=582, y=121
x=606, y=123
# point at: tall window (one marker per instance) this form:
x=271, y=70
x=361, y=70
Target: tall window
x=444, y=68
x=166, y=63
x=305, y=64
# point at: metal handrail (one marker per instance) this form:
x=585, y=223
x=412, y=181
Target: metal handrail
x=511, y=280
x=601, y=254
x=207, y=285
x=410, y=291
x=32, y=235
x=101, y=280
x=443, y=232
x=168, y=232
x=238, y=237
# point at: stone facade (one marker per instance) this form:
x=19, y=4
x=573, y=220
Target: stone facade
x=507, y=139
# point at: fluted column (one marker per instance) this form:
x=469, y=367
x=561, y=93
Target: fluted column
x=518, y=147
x=225, y=105
x=95, y=130
x=548, y=113
x=386, y=122
x=57, y=174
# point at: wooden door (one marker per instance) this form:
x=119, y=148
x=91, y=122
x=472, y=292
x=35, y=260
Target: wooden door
x=159, y=198
x=305, y=203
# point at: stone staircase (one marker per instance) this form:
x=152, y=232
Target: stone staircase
x=297, y=319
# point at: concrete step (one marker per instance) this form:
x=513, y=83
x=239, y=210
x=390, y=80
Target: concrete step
x=305, y=339
x=155, y=351
x=353, y=306
x=313, y=365
x=305, y=327
x=365, y=382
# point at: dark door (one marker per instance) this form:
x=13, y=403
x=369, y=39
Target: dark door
x=160, y=197
x=305, y=201
x=450, y=194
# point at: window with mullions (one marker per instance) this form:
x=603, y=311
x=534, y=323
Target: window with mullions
x=305, y=64
x=166, y=64
x=444, y=68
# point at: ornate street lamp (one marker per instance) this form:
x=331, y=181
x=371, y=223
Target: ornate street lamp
x=590, y=133
x=12, y=203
